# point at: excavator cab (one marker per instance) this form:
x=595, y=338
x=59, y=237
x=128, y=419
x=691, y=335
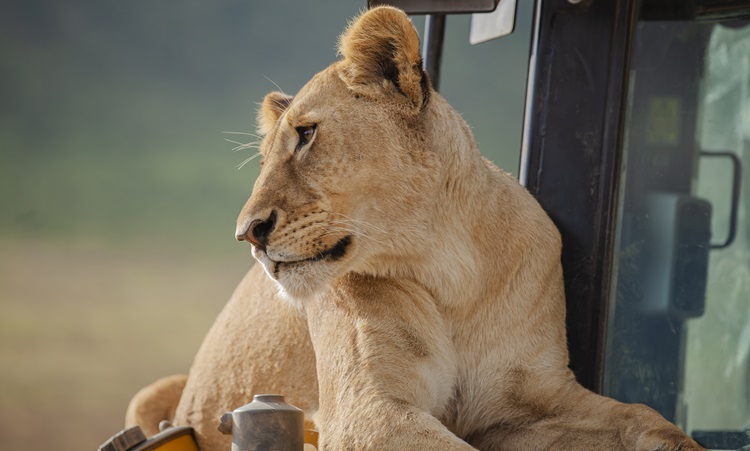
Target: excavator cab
x=636, y=136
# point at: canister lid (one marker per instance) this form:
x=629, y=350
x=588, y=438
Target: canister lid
x=269, y=398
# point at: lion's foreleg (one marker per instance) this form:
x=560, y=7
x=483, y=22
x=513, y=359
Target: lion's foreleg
x=381, y=369
x=637, y=427
x=582, y=420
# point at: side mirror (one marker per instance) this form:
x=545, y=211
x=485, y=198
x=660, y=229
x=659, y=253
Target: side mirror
x=439, y=6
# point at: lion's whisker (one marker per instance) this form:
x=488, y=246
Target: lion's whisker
x=353, y=227
x=243, y=146
x=274, y=83
x=234, y=142
x=243, y=133
x=240, y=143
x=278, y=109
x=357, y=221
x=362, y=224
x=247, y=160
x=237, y=149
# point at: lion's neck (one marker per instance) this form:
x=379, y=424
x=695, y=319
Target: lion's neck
x=457, y=251
x=466, y=249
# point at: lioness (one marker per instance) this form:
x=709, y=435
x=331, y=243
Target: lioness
x=426, y=283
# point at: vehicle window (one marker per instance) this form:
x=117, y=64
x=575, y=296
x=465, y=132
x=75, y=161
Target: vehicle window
x=679, y=319
x=486, y=83
x=718, y=343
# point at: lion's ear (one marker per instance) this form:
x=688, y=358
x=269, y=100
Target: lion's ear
x=273, y=106
x=381, y=55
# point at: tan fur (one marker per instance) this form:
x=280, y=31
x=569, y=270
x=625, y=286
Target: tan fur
x=154, y=403
x=441, y=325
x=271, y=110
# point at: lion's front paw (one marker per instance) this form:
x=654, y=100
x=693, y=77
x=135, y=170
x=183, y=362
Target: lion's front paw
x=670, y=439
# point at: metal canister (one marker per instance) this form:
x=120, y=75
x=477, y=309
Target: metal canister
x=266, y=424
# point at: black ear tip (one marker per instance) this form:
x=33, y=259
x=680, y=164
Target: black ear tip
x=390, y=72
x=425, y=84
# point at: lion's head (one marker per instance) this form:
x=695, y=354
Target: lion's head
x=353, y=164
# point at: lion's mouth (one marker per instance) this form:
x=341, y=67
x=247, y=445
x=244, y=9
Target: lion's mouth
x=333, y=253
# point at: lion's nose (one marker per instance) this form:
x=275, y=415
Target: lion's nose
x=259, y=230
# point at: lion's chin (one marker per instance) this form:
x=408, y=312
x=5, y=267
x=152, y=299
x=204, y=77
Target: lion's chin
x=302, y=279
x=301, y=283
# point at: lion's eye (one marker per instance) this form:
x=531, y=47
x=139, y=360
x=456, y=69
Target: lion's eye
x=306, y=134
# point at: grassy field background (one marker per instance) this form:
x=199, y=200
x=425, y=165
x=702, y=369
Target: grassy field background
x=118, y=191
x=85, y=326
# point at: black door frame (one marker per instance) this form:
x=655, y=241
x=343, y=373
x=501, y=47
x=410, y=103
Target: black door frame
x=576, y=101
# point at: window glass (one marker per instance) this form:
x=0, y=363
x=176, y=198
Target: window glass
x=679, y=318
x=486, y=83
x=718, y=343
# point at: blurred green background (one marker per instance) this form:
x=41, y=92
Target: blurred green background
x=118, y=191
